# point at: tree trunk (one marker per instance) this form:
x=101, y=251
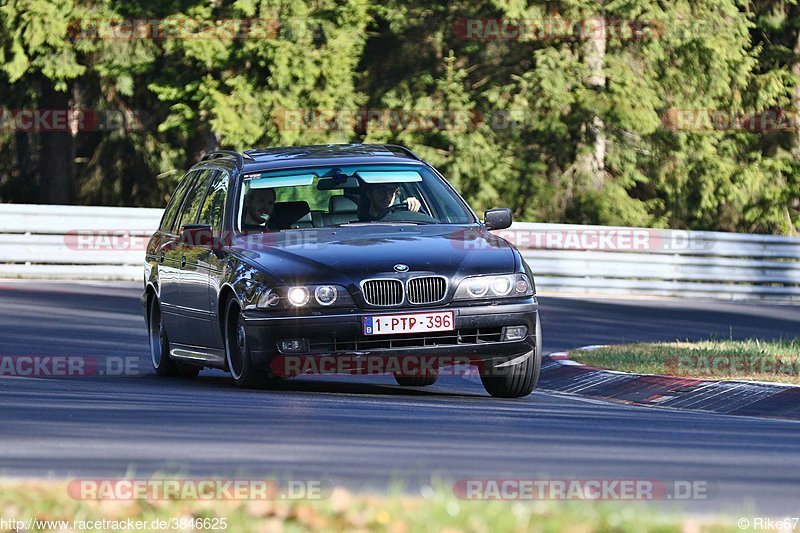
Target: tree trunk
x=204, y=141
x=592, y=152
x=796, y=97
x=56, y=151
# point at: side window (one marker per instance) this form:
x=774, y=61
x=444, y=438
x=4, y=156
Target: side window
x=168, y=220
x=213, y=210
x=194, y=198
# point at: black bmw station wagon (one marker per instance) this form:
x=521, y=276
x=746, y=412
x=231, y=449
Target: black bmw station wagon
x=342, y=258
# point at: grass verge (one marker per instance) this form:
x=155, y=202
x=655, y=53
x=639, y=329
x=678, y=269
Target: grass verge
x=440, y=510
x=777, y=361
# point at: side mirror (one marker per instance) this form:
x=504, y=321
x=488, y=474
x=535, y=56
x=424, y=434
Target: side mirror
x=197, y=235
x=497, y=218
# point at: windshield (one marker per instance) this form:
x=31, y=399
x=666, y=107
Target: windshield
x=324, y=197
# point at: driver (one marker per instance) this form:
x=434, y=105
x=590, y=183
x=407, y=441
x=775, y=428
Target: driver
x=378, y=197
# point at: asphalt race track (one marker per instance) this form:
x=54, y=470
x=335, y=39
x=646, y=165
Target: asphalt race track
x=366, y=432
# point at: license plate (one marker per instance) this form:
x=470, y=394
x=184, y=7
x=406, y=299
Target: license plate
x=409, y=323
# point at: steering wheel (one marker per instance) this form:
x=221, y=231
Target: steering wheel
x=402, y=206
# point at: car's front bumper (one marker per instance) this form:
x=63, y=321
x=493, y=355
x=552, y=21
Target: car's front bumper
x=347, y=341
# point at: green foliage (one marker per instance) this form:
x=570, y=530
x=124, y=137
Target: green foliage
x=551, y=125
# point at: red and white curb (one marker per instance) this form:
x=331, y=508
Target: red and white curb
x=746, y=398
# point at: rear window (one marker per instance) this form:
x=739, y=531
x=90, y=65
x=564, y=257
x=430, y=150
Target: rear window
x=173, y=207
x=194, y=198
x=213, y=210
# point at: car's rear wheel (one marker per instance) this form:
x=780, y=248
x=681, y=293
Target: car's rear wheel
x=163, y=364
x=237, y=351
x=416, y=381
x=519, y=380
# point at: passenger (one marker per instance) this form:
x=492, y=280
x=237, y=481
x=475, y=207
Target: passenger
x=258, y=207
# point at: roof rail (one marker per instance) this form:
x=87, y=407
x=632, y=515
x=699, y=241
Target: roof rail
x=219, y=154
x=403, y=149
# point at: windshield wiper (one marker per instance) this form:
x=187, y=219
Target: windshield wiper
x=353, y=223
x=384, y=223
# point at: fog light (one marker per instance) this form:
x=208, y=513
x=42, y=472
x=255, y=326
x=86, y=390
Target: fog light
x=515, y=333
x=292, y=345
x=298, y=296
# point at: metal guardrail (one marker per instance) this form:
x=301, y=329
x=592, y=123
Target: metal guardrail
x=74, y=242
x=71, y=242
x=697, y=264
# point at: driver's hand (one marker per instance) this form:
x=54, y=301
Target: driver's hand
x=413, y=204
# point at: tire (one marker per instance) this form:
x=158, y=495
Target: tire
x=415, y=381
x=163, y=364
x=516, y=381
x=237, y=351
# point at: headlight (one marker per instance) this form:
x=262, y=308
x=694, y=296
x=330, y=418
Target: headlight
x=477, y=287
x=298, y=296
x=325, y=294
x=301, y=296
x=269, y=298
x=501, y=286
x=507, y=286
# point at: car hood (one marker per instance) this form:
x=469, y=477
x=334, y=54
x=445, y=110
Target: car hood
x=349, y=254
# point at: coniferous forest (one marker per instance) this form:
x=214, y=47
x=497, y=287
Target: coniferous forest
x=671, y=113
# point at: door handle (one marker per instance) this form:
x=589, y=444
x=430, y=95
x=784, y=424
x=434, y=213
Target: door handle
x=183, y=261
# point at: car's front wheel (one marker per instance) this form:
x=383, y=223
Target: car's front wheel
x=237, y=351
x=519, y=380
x=163, y=364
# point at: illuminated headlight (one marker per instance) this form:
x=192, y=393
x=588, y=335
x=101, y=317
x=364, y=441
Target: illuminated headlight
x=507, y=286
x=325, y=294
x=305, y=296
x=298, y=296
x=268, y=298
